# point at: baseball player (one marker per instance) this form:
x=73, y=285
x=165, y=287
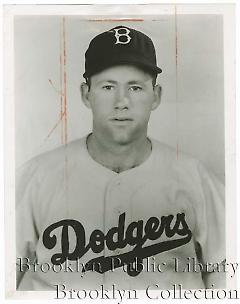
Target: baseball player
x=118, y=207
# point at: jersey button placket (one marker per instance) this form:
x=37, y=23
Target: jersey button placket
x=113, y=209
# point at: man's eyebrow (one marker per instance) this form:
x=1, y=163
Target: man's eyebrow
x=137, y=81
x=108, y=81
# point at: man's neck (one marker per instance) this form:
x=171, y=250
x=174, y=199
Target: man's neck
x=119, y=157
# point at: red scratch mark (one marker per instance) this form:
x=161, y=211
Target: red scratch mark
x=55, y=126
x=176, y=61
x=63, y=87
x=65, y=137
x=176, y=38
x=62, y=113
x=58, y=91
x=63, y=100
x=116, y=19
x=63, y=83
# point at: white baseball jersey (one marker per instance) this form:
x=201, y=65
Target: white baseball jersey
x=76, y=213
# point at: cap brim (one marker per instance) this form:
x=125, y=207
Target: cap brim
x=120, y=61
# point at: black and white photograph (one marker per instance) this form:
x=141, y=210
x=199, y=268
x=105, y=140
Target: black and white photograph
x=121, y=147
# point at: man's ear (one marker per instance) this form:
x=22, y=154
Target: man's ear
x=157, y=96
x=85, y=94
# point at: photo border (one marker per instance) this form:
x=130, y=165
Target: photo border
x=230, y=125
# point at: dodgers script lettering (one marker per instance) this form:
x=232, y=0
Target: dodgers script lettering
x=136, y=234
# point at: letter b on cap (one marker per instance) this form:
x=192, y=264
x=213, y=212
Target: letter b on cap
x=123, y=37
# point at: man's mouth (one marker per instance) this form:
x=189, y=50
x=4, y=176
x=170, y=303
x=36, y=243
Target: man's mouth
x=122, y=119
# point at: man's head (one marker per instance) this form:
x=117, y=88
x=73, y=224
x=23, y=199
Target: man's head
x=120, y=88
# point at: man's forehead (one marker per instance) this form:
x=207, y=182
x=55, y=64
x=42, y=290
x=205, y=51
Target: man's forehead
x=127, y=82
x=122, y=73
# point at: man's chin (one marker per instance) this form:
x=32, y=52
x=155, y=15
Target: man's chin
x=121, y=138
x=122, y=141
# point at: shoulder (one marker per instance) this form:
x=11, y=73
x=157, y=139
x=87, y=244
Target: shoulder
x=178, y=164
x=181, y=166
x=171, y=155
x=53, y=160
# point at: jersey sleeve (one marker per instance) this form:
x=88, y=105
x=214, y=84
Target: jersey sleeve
x=26, y=231
x=210, y=229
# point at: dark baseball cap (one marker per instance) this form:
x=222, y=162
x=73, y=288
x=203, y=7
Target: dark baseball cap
x=120, y=45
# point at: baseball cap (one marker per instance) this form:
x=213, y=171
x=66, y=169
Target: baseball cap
x=120, y=45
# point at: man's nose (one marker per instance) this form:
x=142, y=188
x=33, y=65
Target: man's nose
x=122, y=99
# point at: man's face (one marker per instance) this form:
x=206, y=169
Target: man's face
x=121, y=99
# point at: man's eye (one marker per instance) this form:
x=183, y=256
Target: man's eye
x=135, y=88
x=107, y=87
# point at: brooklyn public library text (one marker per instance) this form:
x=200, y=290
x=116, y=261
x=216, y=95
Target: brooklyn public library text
x=148, y=265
